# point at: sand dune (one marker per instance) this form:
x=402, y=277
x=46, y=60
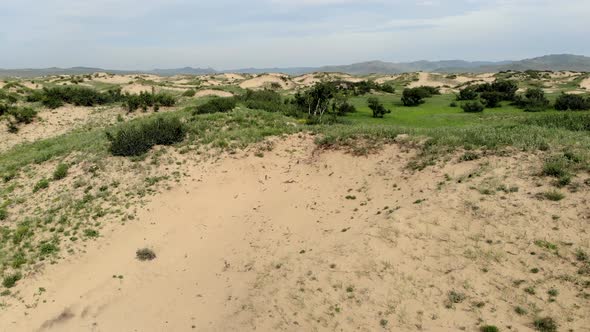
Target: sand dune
x=302, y=240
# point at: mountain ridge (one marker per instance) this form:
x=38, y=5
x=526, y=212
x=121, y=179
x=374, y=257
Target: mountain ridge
x=555, y=62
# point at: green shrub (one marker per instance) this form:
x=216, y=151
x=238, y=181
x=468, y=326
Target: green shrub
x=546, y=324
x=137, y=139
x=415, y=96
x=554, y=195
x=377, y=107
x=48, y=248
x=534, y=100
x=10, y=280
x=23, y=114
x=506, y=89
x=42, y=184
x=489, y=328
x=468, y=93
x=189, y=93
x=492, y=99
x=79, y=96
x=145, y=254
x=217, y=105
x=572, y=102
x=61, y=171
x=472, y=107
x=3, y=213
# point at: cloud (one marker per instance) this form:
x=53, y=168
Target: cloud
x=232, y=33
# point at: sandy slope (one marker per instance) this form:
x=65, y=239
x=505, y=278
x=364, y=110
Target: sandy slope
x=272, y=243
x=585, y=84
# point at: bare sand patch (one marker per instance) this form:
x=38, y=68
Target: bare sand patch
x=585, y=84
x=114, y=79
x=211, y=92
x=302, y=240
x=266, y=80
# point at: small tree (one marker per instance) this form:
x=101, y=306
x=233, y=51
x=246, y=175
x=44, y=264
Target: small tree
x=377, y=107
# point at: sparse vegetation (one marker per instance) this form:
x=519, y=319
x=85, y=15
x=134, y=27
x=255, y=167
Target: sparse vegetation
x=137, y=138
x=545, y=324
x=145, y=254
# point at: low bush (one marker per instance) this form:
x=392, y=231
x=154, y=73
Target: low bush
x=145, y=100
x=473, y=107
x=533, y=100
x=545, y=324
x=377, y=107
x=492, y=99
x=572, y=102
x=216, y=105
x=23, y=114
x=10, y=280
x=79, y=96
x=145, y=254
x=415, y=96
x=137, y=139
x=468, y=93
x=61, y=171
x=189, y=93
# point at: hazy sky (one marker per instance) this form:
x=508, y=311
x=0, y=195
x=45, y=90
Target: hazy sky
x=225, y=34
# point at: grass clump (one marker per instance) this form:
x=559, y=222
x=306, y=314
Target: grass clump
x=189, y=93
x=545, y=324
x=489, y=328
x=145, y=254
x=545, y=244
x=3, y=213
x=137, y=139
x=61, y=171
x=42, y=184
x=520, y=311
x=10, y=280
x=553, y=195
x=454, y=297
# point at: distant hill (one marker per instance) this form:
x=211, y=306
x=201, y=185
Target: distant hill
x=555, y=62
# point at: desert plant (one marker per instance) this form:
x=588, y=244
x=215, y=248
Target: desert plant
x=3, y=213
x=468, y=93
x=492, y=99
x=413, y=97
x=42, y=184
x=137, y=139
x=545, y=324
x=572, y=102
x=61, y=171
x=23, y=114
x=216, y=105
x=145, y=254
x=189, y=93
x=472, y=107
x=377, y=107
x=489, y=328
x=534, y=100
x=10, y=280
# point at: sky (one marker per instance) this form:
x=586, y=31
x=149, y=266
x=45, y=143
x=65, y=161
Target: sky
x=230, y=34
